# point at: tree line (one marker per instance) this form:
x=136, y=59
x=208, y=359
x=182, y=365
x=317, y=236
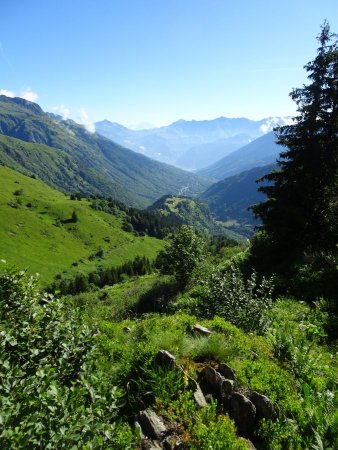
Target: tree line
x=103, y=276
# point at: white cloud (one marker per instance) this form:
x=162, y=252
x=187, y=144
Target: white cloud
x=265, y=127
x=7, y=93
x=29, y=95
x=62, y=110
x=272, y=122
x=85, y=121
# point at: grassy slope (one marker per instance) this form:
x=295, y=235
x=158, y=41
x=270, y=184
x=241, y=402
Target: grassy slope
x=31, y=236
x=56, y=168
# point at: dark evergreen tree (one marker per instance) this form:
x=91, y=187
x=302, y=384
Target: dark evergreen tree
x=74, y=218
x=300, y=214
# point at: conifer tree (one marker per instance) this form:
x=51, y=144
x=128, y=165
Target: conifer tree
x=300, y=214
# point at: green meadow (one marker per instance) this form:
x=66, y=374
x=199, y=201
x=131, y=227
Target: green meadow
x=38, y=230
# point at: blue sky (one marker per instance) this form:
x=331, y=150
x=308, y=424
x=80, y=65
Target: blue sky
x=157, y=61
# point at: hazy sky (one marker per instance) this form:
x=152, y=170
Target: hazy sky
x=157, y=61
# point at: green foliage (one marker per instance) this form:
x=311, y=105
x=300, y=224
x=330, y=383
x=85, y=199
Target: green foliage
x=148, y=222
x=101, y=277
x=227, y=294
x=204, y=428
x=296, y=335
x=242, y=302
x=215, y=431
x=182, y=254
x=192, y=212
x=300, y=214
x=120, y=301
x=52, y=393
x=316, y=278
x=75, y=217
x=280, y=365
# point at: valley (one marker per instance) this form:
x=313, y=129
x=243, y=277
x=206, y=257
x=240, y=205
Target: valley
x=170, y=288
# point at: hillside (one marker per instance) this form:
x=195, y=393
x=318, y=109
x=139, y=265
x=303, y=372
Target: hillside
x=229, y=199
x=205, y=141
x=260, y=152
x=37, y=230
x=58, y=169
x=193, y=212
x=99, y=164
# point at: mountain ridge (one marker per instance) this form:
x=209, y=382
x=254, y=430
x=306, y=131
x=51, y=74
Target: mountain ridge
x=100, y=161
x=229, y=199
x=172, y=143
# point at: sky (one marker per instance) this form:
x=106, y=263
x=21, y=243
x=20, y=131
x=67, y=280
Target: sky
x=157, y=61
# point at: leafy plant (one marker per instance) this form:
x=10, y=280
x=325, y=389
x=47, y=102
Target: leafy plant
x=242, y=302
x=204, y=428
x=182, y=254
x=53, y=395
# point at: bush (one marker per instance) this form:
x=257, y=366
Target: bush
x=52, y=393
x=243, y=303
x=226, y=294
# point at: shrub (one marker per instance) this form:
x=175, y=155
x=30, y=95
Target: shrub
x=242, y=302
x=52, y=393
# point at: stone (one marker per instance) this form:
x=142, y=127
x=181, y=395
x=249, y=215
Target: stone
x=198, y=394
x=264, y=406
x=202, y=331
x=199, y=397
x=154, y=445
x=212, y=382
x=227, y=387
x=148, y=444
x=226, y=371
x=249, y=444
x=243, y=412
x=151, y=424
x=210, y=375
x=166, y=359
x=167, y=445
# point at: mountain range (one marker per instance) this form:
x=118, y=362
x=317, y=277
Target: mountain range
x=191, y=145
x=66, y=156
